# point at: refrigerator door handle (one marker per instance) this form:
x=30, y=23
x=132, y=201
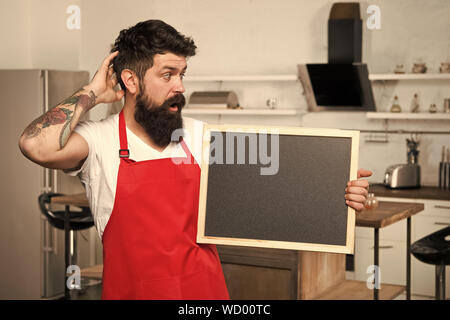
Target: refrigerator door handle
x=45, y=75
x=50, y=237
x=44, y=256
x=55, y=241
x=46, y=248
x=46, y=245
x=46, y=181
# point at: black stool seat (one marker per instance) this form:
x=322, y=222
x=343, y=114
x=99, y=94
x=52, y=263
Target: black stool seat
x=433, y=249
x=79, y=220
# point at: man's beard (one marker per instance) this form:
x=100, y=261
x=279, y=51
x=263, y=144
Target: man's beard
x=158, y=121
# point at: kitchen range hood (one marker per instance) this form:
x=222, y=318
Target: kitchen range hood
x=342, y=83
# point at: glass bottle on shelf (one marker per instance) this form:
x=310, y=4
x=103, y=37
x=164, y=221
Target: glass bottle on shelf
x=415, y=104
x=433, y=108
x=371, y=202
x=396, y=106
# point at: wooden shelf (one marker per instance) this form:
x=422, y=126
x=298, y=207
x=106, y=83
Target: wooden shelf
x=259, y=112
x=357, y=290
x=410, y=76
x=275, y=77
x=408, y=116
x=294, y=77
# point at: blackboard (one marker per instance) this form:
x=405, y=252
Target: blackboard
x=277, y=187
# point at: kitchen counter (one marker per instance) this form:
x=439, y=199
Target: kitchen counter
x=423, y=192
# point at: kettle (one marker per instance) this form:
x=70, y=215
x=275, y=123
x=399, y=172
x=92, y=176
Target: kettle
x=402, y=176
x=405, y=175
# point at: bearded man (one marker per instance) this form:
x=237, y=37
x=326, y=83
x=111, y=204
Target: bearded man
x=144, y=203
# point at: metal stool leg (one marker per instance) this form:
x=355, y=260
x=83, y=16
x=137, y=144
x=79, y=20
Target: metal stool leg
x=376, y=258
x=73, y=247
x=66, y=251
x=440, y=282
x=408, y=259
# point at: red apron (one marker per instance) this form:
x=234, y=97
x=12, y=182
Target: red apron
x=149, y=243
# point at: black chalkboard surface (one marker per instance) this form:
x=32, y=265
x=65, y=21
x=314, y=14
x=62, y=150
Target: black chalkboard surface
x=277, y=187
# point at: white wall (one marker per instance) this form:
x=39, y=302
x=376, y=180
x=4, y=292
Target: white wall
x=233, y=37
x=411, y=30
x=266, y=36
x=15, y=50
x=53, y=45
x=34, y=35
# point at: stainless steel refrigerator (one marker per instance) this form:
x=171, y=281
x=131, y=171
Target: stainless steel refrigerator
x=31, y=251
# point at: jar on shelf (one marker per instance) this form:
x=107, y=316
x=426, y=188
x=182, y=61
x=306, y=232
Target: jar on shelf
x=433, y=108
x=272, y=103
x=399, y=69
x=396, y=106
x=371, y=202
x=415, y=104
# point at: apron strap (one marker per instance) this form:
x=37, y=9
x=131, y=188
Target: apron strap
x=123, y=151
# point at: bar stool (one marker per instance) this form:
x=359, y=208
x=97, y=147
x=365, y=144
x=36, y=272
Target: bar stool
x=76, y=220
x=435, y=249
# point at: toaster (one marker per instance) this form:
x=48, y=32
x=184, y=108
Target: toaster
x=402, y=176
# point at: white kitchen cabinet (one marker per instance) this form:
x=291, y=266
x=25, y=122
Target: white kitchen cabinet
x=436, y=208
x=436, y=215
x=392, y=260
x=395, y=231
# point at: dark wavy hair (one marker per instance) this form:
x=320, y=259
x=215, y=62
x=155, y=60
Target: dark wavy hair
x=138, y=45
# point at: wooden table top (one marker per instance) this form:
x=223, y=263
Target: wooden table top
x=79, y=200
x=386, y=214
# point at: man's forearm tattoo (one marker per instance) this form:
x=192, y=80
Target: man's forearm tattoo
x=61, y=114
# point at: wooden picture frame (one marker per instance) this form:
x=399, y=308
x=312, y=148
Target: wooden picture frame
x=351, y=138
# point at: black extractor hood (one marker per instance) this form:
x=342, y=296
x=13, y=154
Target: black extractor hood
x=342, y=83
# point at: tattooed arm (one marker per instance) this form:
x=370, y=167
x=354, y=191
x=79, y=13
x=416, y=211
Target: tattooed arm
x=49, y=133
x=50, y=141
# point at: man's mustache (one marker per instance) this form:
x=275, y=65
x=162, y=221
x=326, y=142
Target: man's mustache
x=178, y=100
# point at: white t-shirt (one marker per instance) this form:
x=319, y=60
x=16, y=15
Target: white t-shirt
x=99, y=172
